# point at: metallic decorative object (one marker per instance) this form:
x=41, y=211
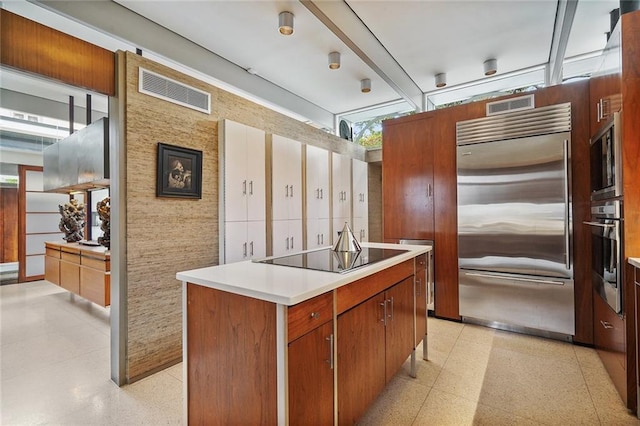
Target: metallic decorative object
x=104, y=212
x=347, y=241
x=72, y=222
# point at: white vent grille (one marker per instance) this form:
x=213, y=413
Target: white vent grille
x=175, y=92
x=510, y=105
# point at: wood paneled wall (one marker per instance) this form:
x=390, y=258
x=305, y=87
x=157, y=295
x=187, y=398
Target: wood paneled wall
x=29, y=46
x=442, y=125
x=8, y=224
x=167, y=235
x=631, y=182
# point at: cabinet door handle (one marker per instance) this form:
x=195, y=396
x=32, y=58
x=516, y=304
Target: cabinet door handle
x=391, y=314
x=322, y=238
x=244, y=187
x=318, y=237
x=598, y=111
x=291, y=243
x=384, y=313
x=418, y=285
x=315, y=315
x=286, y=189
x=251, y=248
x=244, y=249
x=606, y=324
x=318, y=193
x=291, y=190
x=330, y=360
x=287, y=242
x=250, y=187
x=321, y=194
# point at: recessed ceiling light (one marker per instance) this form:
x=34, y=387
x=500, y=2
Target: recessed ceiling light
x=285, y=23
x=490, y=67
x=365, y=85
x=334, y=60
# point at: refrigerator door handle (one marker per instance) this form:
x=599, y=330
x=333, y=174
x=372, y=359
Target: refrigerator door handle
x=567, y=217
x=512, y=278
x=601, y=225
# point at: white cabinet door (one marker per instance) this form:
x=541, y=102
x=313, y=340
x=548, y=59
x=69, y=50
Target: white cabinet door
x=361, y=228
x=287, y=237
x=341, y=189
x=360, y=189
x=235, y=242
x=318, y=233
x=256, y=177
x=235, y=171
x=256, y=239
x=244, y=241
x=286, y=178
x=317, y=183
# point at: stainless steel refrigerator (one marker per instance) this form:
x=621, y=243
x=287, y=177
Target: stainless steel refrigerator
x=514, y=221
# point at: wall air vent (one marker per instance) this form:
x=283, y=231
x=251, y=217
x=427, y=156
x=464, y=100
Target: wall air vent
x=170, y=90
x=510, y=105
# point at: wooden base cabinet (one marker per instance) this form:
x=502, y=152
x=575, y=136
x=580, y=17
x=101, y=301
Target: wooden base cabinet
x=82, y=270
x=374, y=340
x=319, y=362
x=311, y=377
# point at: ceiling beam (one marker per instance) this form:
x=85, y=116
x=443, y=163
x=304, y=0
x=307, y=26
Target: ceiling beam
x=111, y=18
x=565, y=13
x=340, y=19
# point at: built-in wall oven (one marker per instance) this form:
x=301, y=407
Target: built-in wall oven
x=606, y=161
x=607, y=259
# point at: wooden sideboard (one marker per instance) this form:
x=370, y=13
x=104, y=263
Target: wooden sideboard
x=82, y=270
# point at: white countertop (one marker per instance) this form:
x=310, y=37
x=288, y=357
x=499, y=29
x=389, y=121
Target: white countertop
x=288, y=285
x=635, y=261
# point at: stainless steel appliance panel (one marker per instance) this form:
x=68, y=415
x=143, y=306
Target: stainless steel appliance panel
x=518, y=300
x=514, y=212
x=607, y=259
x=606, y=161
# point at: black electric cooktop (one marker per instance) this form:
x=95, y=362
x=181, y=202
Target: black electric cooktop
x=331, y=261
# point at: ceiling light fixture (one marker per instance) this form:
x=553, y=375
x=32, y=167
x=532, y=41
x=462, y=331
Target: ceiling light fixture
x=441, y=79
x=490, y=67
x=285, y=23
x=334, y=60
x=365, y=85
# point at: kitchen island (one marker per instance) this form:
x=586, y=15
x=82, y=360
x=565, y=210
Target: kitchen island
x=270, y=344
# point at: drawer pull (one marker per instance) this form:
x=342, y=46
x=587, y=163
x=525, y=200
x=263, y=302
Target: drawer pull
x=606, y=324
x=315, y=315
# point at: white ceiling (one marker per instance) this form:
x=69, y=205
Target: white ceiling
x=399, y=45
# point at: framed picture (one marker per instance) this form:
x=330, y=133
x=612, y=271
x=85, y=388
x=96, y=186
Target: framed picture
x=179, y=172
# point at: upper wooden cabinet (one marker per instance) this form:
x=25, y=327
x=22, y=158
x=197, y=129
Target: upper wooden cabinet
x=605, y=89
x=407, y=179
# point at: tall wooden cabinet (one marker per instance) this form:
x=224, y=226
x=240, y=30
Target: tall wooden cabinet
x=407, y=179
x=242, y=159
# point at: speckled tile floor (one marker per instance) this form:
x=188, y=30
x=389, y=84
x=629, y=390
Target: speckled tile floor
x=55, y=370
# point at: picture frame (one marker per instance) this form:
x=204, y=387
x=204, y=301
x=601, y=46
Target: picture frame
x=179, y=172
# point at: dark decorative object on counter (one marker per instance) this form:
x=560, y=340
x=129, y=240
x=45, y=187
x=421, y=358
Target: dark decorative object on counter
x=104, y=212
x=72, y=222
x=179, y=172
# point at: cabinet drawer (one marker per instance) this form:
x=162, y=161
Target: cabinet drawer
x=90, y=262
x=52, y=269
x=71, y=257
x=421, y=262
x=70, y=276
x=53, y=253
x=307, y=315
x=95, y=286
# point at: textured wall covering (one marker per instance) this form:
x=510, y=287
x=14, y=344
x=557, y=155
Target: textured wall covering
x=167, y=235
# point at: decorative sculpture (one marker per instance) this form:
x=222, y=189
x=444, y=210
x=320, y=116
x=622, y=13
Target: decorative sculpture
x=104, y=212
x=72, y=222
